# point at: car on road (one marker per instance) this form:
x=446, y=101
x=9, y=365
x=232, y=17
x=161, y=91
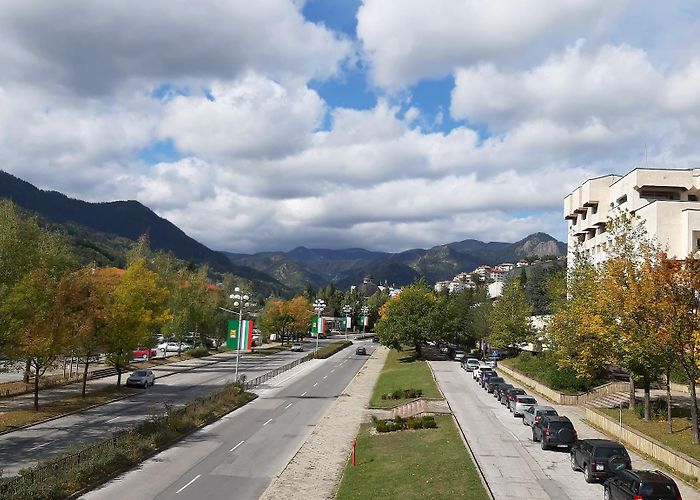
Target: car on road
x=510, y=396
x=375, y=339
x=141, y=378
x=470, y=364
x=173, y=347
x=491, y=362
x=535, y=413
x=459, y=355
x=476, y=374
x=501, y=394
x=361, y=351
x=492, y=382
x=599, y=458
x=144, y=353
x=522, y=403
x=554, y=431
x=296, y=347
x=485, y=376
x=641, y=485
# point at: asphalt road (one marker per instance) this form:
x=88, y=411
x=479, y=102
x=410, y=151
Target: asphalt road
x=238, y=456
x=514, y=466
x=25, y=447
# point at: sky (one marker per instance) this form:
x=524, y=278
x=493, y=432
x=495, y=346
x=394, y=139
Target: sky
x=387, y=125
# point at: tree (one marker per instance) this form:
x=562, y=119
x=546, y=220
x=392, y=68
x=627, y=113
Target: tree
x=137, y=308
x=81, y=311
x=301, y=311
x=190, y=303
x=510, y=317
x=276, y=319
x=412, y=318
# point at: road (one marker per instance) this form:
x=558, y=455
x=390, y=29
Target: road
x=514, y=466
x=238, y=456
x=24, y=447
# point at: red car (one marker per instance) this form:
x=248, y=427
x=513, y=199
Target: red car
x=144, y=353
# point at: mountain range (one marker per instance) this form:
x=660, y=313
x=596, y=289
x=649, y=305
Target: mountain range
x=103, y=231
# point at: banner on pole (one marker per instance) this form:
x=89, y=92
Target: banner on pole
x=348, y=322
x=240, y=336
x=318, y=325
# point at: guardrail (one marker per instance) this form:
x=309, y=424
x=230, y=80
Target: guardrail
x=272, y=374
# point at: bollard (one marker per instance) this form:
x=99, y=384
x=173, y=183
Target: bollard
x=353, y=452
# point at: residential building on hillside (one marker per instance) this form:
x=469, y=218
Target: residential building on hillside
x=442, y=285
x=498, y=275
x=665, y=199
x=484, y=272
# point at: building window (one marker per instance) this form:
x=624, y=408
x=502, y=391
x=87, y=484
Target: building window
x=660, y=195
x=692, y=197
x=583, y=216
x=622, y=199
x=594, y=209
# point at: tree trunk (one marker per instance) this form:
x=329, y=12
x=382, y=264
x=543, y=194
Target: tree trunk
x=119, y=375
x=633, y=397
x=85, y=374
x=647, y=398
x=669, y=416
x=36, y=390
x=27, y=369
x=694, y=409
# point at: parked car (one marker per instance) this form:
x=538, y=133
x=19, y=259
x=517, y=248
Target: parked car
x=459, y=355
x=476, y=374
x=144, y=353
x=510, y=396
x=485, y=376
x=501, y=394
x=296, y=347
x=522, y=403
x=491, y=362
x=470, y=364
x=641, y=485
x=554, y=431
x=492, y=382
x=173, y=347
x=361, y=351
x=533, y=414
x=599, y=458
x=141, y=378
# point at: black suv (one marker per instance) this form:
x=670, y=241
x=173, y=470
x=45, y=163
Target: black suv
x=641, y=485
x=492, y=382
x=485, y=376
x=554, y=431
x=599, y=458
x=501, y=394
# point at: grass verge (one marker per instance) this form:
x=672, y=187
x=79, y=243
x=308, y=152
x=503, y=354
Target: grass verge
x=329, y=350
x=18, y=418
x=403, y=371
x=681, y=439
x=543, y=368
x=427, y=463
x=91, y=465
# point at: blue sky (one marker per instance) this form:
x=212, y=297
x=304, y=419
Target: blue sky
x=339, y=123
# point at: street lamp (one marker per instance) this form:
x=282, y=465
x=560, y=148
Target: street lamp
x=346, y=309
x=240, y=300
x=365, y=320
x=319, y=306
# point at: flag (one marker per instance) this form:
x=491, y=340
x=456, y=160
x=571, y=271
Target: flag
x=348, y=322
x=318, y=324
x=240, y=336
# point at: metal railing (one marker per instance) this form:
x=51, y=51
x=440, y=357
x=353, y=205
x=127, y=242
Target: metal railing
x=272, y=374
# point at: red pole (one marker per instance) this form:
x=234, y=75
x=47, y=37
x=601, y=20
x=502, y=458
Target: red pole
x=353, y=452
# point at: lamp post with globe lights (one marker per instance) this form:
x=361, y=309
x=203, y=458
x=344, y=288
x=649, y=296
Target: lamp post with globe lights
x=347, y=310
x=319, y=306
x=365, y=319
x=240, y=300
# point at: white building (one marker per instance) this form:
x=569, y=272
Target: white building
x=667, y=200
x=442, y=285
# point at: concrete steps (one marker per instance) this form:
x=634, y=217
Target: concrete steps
x=611, y=400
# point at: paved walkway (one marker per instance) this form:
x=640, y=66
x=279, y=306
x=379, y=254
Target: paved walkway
x=316, y=469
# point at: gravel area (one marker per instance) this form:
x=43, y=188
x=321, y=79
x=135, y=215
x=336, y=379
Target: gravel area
x=316, y=469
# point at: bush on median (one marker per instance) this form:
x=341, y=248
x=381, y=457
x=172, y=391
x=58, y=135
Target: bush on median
x=330, y=350
x=399, y=423
x=198, y=352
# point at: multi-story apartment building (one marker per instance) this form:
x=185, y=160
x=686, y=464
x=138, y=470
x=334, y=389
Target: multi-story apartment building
x=666, y=200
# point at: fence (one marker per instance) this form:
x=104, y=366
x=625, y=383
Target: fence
x=56, y=466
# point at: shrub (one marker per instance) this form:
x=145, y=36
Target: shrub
x=400, y=422
x=658, y=409
x=414, y=423
x=198, y=352
x=429, y=422
x=544, y=368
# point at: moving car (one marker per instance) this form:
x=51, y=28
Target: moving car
x=641, y=485
x=361, y=351
x=521, y=404
x=375, y=339
x=141, y=378
x=599, y=458
x=296, y=347
x=554, y=431
x=535, y=413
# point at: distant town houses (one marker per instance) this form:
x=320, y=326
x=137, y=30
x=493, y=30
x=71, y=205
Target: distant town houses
x=482, y=274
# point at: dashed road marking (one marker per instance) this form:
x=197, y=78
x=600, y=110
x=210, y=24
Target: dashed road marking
x=267, y=422
x=289, y=405
x=40, y=446
x=112, y=419
x=303, y=394
x=234, y=448
x=195, y=478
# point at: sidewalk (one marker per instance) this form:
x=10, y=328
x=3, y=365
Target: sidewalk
x=316, y=469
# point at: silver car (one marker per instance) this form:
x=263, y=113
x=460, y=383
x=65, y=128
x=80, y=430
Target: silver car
x=521, y=404
x=533, y=414
x=141, y=378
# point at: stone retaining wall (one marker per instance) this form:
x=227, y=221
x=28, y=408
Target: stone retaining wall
x=649, y=446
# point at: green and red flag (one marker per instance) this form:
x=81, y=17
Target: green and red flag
x=318, y=325
x=240, y=336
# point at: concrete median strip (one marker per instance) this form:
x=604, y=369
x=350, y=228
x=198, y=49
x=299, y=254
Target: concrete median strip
x=316, y=468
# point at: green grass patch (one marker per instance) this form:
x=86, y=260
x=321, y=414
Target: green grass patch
x=681, y=439
x=17, y=418
x=403, y=371
x=329, y=350
x=543, y=368
x=89, y=466
x=270, y=350
x=425, y=464
x=198, y=352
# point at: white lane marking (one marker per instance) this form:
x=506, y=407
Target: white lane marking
x=514, y=436
x=303, y=394
x=195, y=478
x=112, y=419
x=332, y=370
x=234, y=448
x=315, y=384
x=267, y=422
x=290, y=404
x=39, y=446
x=325, y=377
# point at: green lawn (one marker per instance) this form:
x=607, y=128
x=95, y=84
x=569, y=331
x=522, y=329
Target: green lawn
x=681, y=439
x=426, y=463
x=403, y=371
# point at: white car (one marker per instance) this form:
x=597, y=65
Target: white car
x=173, y=347
x=459, y=355
x=296, y=347
x=471, y=364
